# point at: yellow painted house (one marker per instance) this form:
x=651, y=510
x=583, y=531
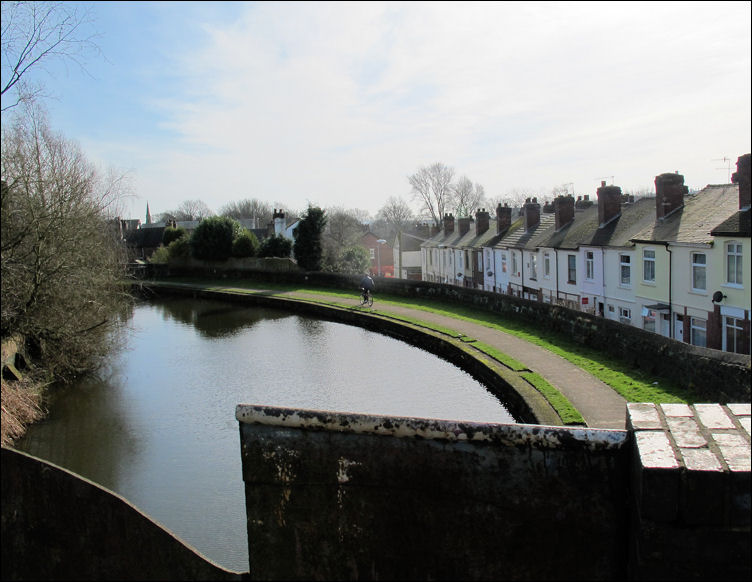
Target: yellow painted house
x=693, y=277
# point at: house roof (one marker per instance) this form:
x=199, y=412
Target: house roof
x=468, y=240
x=145, y=237
x=411, y=242
x=693, y=222
x=585, y=229
x=738, y=224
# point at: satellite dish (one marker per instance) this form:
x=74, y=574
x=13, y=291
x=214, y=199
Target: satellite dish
x=718, y=297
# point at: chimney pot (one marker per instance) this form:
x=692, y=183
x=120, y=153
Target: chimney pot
x=609, y=203
x=669, y=194
x=742, y=178
x=563, y=210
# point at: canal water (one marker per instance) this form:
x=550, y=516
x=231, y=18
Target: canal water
x=158, y=425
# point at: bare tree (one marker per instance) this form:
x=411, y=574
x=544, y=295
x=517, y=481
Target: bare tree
x=62, y=265
x=248, y=208
x=34, y=33
x=432, y=187
x=514, y=197
x=467, y=196
x=394, y=217
x=343, y=226
x=397, y=213
x=191, y=210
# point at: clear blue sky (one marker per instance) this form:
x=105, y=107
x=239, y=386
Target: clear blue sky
x=335, y=104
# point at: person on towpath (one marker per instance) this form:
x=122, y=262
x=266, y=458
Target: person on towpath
x=367, y=286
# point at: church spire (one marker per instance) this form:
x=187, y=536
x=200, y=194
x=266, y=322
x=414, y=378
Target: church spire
x=148, y=214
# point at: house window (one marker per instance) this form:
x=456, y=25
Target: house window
x=534, y=267
x=372, y=252
x=625, y=269
x=648, y=265
x=734, y=263
x=648, y=321
x=546, y=265
x=625, y=315
x=571, y=269
x=589, y=266
x=698, y=332
x=514, y=264
x=698, y=272
x=503, y=262
x=733, y=338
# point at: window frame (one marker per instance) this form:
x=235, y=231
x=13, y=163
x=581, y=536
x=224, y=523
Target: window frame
x=695, y=330
x=589, y=266
x=648, y=261
x=695, y=268
x=738, y=255
x=738, y=335
x=572, y=269
x=533, y=267
x=622, y=265
x=547, y=265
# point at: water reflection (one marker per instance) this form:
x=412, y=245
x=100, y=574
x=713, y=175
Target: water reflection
x=160, y=430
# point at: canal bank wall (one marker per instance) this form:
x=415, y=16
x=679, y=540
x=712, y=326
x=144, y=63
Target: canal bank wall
x=57, y=525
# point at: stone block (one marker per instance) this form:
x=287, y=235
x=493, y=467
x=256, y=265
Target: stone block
x=735, y=450
x=642, y=416
x=676, y=410
x=742, y=409
x=713, y=416
x=686, y=433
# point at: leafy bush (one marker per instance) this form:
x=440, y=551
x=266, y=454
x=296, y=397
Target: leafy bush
x=180, y=248
x=212, y=240
x=245, y=244
x=353, y=260
x=170, y=234
x=275, y=246
x=161, y=255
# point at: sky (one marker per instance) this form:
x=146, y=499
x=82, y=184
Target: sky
x=336, y=104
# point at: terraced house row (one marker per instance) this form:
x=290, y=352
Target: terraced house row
x=677, y=264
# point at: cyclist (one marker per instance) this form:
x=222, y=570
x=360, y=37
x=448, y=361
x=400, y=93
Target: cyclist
x=367, y=286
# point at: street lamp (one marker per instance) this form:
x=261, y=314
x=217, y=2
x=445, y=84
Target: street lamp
x=381, y=241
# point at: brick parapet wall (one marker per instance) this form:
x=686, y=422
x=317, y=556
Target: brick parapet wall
x=690, y=483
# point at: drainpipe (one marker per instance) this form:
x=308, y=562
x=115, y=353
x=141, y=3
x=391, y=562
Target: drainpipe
x=670, y=309
x=556, y=264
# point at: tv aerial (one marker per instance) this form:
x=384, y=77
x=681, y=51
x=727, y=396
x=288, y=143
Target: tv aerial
x=727, y=167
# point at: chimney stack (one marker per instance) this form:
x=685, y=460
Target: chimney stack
x=741, y=177
x=448, y=224
x=669, y=194
x=609, y=203
x=464, y=225
x=482, y=219
x=531, y=210
x=503, y=218
x=563, y=210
